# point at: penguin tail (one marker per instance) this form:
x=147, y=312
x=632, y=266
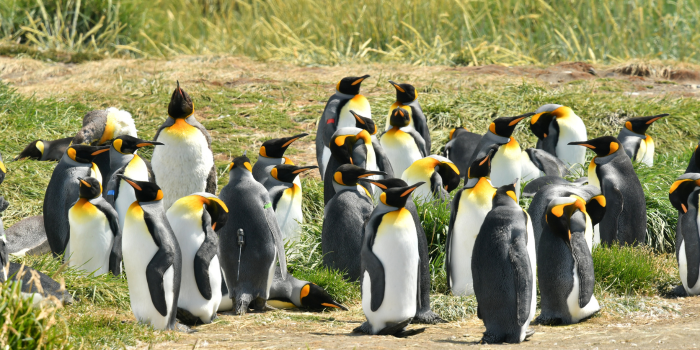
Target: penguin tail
x=365, y=328
x=410, y=332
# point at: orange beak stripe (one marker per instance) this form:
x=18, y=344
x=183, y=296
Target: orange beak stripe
x=290, y=142
x=408, y=191
x=330, y=305
x=652, y=120
x=100, y=151
x=134, y=185
x=378, y=185
x=357, y=81
x=144, y=144
x=516, y=121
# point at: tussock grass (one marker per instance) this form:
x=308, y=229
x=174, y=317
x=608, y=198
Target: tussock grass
x=633, y=270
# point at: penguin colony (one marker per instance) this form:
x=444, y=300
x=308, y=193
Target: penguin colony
x=188, y=254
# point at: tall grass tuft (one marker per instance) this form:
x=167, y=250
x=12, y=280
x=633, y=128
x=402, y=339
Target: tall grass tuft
x=633, y=270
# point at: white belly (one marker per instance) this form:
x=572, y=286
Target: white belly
x=590, y=233
x=289, y=214
x=401, y=153
x=126, y=197
x=578, y=313
x=470, y=217
x=683, y=268
x=533, y=270
x=505, y=168
x=325, y=158
x=90, y=243
x=528, y=170
x=573, y=129
x=423, y=192
x=645, y=154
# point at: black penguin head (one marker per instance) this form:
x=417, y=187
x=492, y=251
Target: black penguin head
x=348, y=174
x=481, y=167
x=457, y=131
x=396, y=191
x=126, y=144
x=316, y=298
x=681, y=190
x=181, y=105
x=217, y=209
x=504, y=126
x=448, y=172
x=242, y=163
x=341, y=146
x=505, y=195
x=399, y=118
x=34, y=150
x=539, y=124
x=697, y=156
x=365, y=123
x=640, y=125
x=405, y=93
x=602, y=146
x=85, y=153
x=287, y=173
x=275, y=148
x=350, y=85
x=90, y=188
x=595, y=207
x=559, y=212
x=145, y=191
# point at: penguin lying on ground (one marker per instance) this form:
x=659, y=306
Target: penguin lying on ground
x=349, y=146
x=685, y=197
x=505, y=247
x=285, y=193
x=289, y=292
x=344, y=217
x=272, y=153
x=536, y=163
x=638, y=145
x=194, y=219
x=185, y=163
x=45, y=150
x=27, y=237
x=625, y=219
x=337, y=115
x=63, y=190
x=537, y=184
x=439, y=174
x=559, y=126
x=38, y=285
x=251, y=242
x=461, y=147
x=390, y=266
x=565, y=265
x=694, y=163
x=403, y=145
x=406, y=98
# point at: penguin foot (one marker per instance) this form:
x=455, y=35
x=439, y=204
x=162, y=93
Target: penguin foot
x=490, y=338
x=528, y=333
x=365, y=328
x=410, y=332
x=179, y=327
x=679, y=292
x=428, y=317
x=187, y=318
x=547, y=321
x=242, y=304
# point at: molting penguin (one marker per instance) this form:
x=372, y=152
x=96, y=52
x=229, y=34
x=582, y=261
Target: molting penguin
x=289, y=292
x=505, y=247
x=565, y=265
x=185, y=164
x=694, y=163
x=337, y=115
x=611, y=170
x=251, y=241
x=285, y=193
x=559, y=126
x=63, y=191
x=349, y=146
x=685, y=196
x=536, y=163
x=403, y=145
x=194, y=220
x=45, y=150
x=94, y=244
x=272, y=153
x=439, y=174
x=406, y=98
x=461, y=147
x=344, y=217
x=638, y=145
x=152, y=258
x=390, y=266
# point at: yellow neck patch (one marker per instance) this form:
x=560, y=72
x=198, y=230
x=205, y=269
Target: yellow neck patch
x=108, y=134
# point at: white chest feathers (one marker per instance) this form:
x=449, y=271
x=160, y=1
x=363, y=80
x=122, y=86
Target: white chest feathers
x=289, y=214
x=505, y=166
x=645, y=153
x=401, y=149
x=90, y=241
x=571, y=128
x=137, y=170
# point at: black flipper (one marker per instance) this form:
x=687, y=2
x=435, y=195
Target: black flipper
x=520, y=261
x=549, y=143
x=206, y=252
x=154, y=275
x=691, y=239
x=423, y=312
x=582, y=258
x=450, y=234
x=151, y=174
x=420, y=124
x=383, y=162
x=111, y=191
x=211, y=181
x=359, y=154
x=436, y=187
x=115, y=256
x=614, y=200
x=371, y=263
x=277, y=236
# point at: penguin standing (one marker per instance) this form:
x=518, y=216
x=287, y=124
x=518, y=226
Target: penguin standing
x=194, y=219
x=536, y=163
x=337, y=115
x=44, y=150
x=638, y=145
x=565, y=265
x=685, y=197
x=286, y=197
x=94, y=243
x=272, y=153
x=187, y=146
x=289, y=292
x=460, y=148
x=383, y=163
x=406, y=98
x=343, y=220
x=390, y=266
x=564, y=127
x=611, y=170
x=152, y=258
x=63, y=190
x=694, y=163
x=505, y=247
x=402, y=144
x=251, y=241
x=439, y=174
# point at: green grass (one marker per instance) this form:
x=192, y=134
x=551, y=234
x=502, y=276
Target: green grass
x=633, y=270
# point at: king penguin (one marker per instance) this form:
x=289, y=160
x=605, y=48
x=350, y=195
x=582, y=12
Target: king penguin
x=286, y=196
x=565, y=265
x=611, y=170
x=535, y=163
x=505, y=247
x=63, y=190
x=460, y=147
x=3, y=170
x=390, y=266
x=685, y=197
x=439, y=174
x=187, y=146
x=272, y=153
x=45, y=150
x=638, y=145
x=383, y=163
x=94, y=243
x=152, y=258
x=251, y=242
x=564, y=127
x=194, y=219
x=403, y=145
x=694, y=162
x=406, y=98
x=337, y=115
x=289, y=292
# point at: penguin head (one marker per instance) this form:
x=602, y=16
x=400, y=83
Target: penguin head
x=681, y=190
x=365, y=123
x=595, y=207
x=457, y=131
x=640, y=125
x=241, y=163
x=396, y=191
x=85, y=153
x=101, y=126
x=145, y=191
x=349, y=174
x=342, y=145
x=275, y=148
x=481, y=167
x=504, y=126
x=90, y=188
x=126, y=144
x=217, y=209
x=316, y=298
x=34, y=150
x=448, y=172
x=539, y=124
x=405, y=93
x=287, y=173
x=559, y=212
x=399, y=118
x=505, y=195
x=602, y=146
x=350, y=85
x=181, y=105
x=3, y=170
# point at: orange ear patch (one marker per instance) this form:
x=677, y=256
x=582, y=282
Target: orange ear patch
x=159, y=195
x=304, y=291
